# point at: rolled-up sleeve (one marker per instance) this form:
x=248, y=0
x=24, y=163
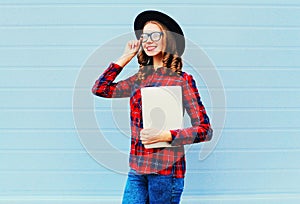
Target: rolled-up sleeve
x=107, y=88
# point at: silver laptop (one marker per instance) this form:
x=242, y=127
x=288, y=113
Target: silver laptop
x=162, y=109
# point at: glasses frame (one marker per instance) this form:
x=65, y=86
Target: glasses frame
x=150, y=35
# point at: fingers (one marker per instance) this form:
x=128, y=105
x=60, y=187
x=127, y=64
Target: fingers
x=150, y=135
x=149, y=139
x=136, y=43
x=131, y=49
x=144, y=134
x=148, y=142
x=150, y=131
x=145, y=131
x=146, y=137
x=133, y=44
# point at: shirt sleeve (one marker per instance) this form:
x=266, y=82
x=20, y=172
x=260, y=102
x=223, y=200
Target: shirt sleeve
x=201, y=130
x=107, y=88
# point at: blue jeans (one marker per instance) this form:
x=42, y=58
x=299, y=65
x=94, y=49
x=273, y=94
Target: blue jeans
x=152, y=189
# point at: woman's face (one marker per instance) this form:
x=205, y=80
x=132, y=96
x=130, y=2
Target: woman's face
x=154, y=46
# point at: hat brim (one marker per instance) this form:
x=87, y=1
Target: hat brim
x=166, y=20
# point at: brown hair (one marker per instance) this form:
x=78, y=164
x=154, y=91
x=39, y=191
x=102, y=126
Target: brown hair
x=170, y=57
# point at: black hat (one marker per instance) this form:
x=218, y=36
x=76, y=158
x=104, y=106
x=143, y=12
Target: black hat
x=166, y=20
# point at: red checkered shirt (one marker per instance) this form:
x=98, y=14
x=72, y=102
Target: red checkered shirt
x=164, y=161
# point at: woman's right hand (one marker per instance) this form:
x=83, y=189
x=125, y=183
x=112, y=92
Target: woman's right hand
x=131, y=49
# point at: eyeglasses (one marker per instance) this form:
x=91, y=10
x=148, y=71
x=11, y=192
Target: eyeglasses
x=155, y=36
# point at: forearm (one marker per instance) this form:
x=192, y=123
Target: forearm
x=152, y=135
x=191, y=135
x=105, y=87
x=123, y=60
x=131, y=50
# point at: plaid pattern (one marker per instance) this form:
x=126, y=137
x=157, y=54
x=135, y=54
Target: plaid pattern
x=159, y=160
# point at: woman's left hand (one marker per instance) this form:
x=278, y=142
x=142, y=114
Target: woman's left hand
x=152, y=135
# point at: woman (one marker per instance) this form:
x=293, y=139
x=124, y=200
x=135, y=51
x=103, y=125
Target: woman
x=157, y=174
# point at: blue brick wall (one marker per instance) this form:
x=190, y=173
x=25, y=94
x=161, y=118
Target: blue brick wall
x=255, y=47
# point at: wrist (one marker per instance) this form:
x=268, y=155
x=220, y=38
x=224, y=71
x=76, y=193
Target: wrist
x=123, y=60
x=167, y=136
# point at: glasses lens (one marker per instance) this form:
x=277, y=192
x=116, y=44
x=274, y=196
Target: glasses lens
x=144, y=37
x=156, y=36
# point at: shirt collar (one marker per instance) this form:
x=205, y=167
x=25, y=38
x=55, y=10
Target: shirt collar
x=161, y=70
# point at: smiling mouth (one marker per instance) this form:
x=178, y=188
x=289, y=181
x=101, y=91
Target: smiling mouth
x=150, y=48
